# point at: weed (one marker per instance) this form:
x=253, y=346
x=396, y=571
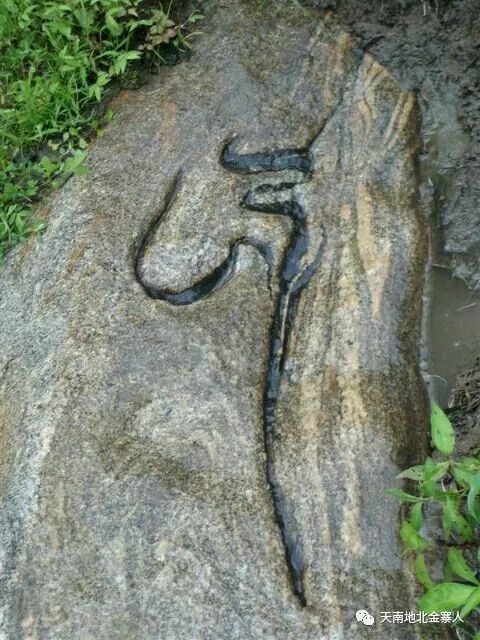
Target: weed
x=57, y=61
x=448, y=488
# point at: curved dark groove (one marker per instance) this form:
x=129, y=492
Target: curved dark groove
x=201, y=289
x=294, y=276
x=279, y=339
x=280, y=160
x=142, y=244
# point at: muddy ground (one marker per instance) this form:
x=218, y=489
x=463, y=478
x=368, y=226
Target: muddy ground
x=433, y=48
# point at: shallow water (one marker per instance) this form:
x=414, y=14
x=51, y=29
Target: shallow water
x=452, y=331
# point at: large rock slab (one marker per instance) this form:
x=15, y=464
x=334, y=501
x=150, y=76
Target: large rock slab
x=209, y=363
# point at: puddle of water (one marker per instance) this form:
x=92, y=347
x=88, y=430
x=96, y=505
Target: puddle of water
x=452, y=332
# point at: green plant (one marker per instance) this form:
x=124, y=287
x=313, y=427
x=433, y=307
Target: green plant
x=447, y=487
x=57, y=62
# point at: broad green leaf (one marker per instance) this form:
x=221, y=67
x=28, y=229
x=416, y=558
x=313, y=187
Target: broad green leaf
x=132, y=55
x=112, y=25
x=80, y=171
x=84, y=19
x=452, y=520
x=472, y=464
x=459, y=566
x=38, y=227
x=472, y=503
x=472, y=602
x=446, y=596
x=48, y=166
x=120, y=63
x=413, y=473
x=55, y=8
x=75, y=161
x=437, y=471
x=421, y=572
x=428, y=465
x=427, y=489
x=401, y=495
x=448, y=517
x=462, y=474
x=430, y=490
x=411, y=538
x=443, y=436
x=448, y=574
x=416, y=519
x=196, y=17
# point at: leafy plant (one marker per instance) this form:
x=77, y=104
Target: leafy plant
x=450, y=488
x=58, y=60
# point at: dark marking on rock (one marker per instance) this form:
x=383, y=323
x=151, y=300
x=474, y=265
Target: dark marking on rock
x=280, y=160
x=199, y=290
x=278, y=199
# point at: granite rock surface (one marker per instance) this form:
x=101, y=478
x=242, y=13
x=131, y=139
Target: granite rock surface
x=208, y=371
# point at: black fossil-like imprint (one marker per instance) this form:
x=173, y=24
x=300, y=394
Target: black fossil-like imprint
x=298, y=266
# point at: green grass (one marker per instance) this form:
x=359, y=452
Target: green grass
x=58, y=58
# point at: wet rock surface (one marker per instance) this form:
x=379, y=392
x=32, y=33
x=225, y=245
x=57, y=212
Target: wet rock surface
x=431, y=47
x=209, y=364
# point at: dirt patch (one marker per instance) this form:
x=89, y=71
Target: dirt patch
x=464, y=410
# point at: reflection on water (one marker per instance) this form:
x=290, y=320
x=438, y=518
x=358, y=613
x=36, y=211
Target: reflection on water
x=452, y=332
